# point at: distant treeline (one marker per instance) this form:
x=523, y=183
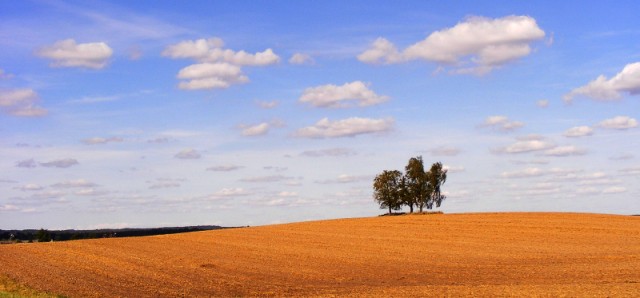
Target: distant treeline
x=64, y=235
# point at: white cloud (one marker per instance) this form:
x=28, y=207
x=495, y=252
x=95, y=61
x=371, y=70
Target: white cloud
x=256, y=130
x=300, y=59
x=268, y=104
x=626, y=81
x=349, y=127
x=68, y=53
x=27, y=163
x=328, y=152
x=21, y=103
x=188, y=154
x=225, y=168
x=453, y=169
x=344, y=178
x=526, y=173
x=74, y=183
x=211, y=50
x=98, y=140
x=60, y=163
x=211, y=76
x=476, y=45
x=502, y=123
x=543, y=103
x=231, y=192
x=333, y=96
x=287, y=194
x=445, y=151
x=30, y=187
x=614, y=190
x=578, y=131
x=218, y=68
x=523, y=146
x=565, y=151
x=631, y=171
x=271, y=178
x=619, y=122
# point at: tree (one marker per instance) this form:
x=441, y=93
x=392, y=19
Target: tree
x=43, y=235
x=437, y=176
x=417, y=183
x=387, y=190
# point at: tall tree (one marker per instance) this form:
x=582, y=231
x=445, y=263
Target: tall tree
x=417, y=183
x=387, y=190
x=437, y=176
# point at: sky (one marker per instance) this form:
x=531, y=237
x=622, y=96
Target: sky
x=162, y=113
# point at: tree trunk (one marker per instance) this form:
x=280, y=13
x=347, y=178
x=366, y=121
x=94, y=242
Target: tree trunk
x=410, y=208
x=389, y=210
x=420, y=208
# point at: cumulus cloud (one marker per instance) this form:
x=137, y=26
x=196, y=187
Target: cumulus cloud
x=224, y=168
x=619, y=122
x=27, y=163
x=74, y=184
x=255, y=130
x=578, y=131
x=300, y=59
x=30, y=187
x=268, y=104
x=60, y=163
x=99, y=141
x=502, y=123
x=476, y=45
x=333, y=96
x=525, y=173
x=526, y=145
x=188, y=154
x=21, y=103
x=217, y=68
x=344, y=178
x=349, y=127
x=565, y=151
x=68, y=53
x=603, y=89
x=231, y=192
x=543, y=103
x=444, y=151
x=328, y=152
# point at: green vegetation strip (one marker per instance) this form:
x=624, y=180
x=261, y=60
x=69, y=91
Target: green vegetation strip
x=12, y=289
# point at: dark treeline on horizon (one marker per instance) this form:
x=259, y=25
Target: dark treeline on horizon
x=64, y=235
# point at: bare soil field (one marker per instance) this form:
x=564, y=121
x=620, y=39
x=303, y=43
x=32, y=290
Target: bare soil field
x=487, y=254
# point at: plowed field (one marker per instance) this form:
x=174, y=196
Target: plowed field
x=491, y=254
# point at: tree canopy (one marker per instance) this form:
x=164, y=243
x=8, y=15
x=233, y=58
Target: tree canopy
x=415, y=188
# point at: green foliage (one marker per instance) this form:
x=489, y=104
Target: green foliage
x=43, y=235
x=416, y=187
x=387, y=190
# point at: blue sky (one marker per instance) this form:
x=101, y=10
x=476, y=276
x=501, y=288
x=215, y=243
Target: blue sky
x=147, y=113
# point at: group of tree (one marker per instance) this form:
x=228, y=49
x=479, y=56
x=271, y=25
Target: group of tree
x=415, y=188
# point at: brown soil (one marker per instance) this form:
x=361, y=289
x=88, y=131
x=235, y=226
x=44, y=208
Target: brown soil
x=491, y=254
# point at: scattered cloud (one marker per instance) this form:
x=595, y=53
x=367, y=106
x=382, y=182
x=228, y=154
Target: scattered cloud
x=349, y=127
x=159, y=140
x=502, y=123
x=614, y=190
x=543, y=103
x=30, y=187
x=21, y=103
x=225, y=168
x=188, y=154
x=344, y=178
x=68, y=53
x=476, y=45
x=603, y=89
x=255, y=130
x=60, y=163
x=301, y=59
x=165, y=183
x=328, y=152
x=565, y=151
x=277, y=169
x=4, y=75
x=631, y=171
x=268, y=104
x=444, y=151
x=619, y=123
x=271, y=178
x=218, y=68
x=578, y=131
x=526, y=145
x=99, y=141
x=74, y=184
x=333, y=96
x=622, y=156
x=27, y=163
x=525, y=173
x=231, y=192
x=90, y=192
x=453, y=169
